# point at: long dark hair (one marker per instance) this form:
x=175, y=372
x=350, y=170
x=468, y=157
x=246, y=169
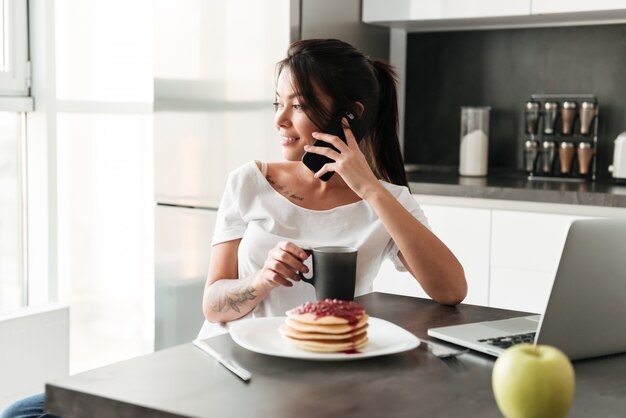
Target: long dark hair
x=338, y=70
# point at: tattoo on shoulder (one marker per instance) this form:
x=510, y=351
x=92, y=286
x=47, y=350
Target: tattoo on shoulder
x=232, y=299
x=275, y=185
x=282, y=189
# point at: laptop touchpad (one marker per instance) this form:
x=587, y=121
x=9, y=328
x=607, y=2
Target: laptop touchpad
x=514, y=325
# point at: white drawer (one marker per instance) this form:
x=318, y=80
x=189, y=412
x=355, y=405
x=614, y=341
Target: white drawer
x=520, y=290
x=466, y=232
x=531, y=241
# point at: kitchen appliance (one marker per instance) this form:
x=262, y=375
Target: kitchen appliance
x=618, y=168
x=213, y=89
x=565, y=125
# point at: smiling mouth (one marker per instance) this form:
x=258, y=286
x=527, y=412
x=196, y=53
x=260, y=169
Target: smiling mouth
x=286, y=140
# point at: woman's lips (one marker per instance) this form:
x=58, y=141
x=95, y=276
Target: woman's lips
x=287, y=140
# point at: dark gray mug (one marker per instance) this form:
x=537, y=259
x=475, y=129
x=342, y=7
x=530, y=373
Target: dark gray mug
x=334, y=272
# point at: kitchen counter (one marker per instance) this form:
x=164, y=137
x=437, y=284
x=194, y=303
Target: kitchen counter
x=516, y=186
x=184, y=382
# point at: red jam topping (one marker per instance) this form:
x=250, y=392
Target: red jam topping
x=348, y=310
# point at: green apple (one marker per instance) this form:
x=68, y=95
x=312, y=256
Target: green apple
x=532, y=381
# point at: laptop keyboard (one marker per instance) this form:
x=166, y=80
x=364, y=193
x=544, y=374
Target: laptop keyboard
x=509, y=340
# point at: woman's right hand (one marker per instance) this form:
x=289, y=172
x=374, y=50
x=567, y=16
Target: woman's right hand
x=282, y=265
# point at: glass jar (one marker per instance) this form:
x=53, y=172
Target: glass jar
x=474, y=152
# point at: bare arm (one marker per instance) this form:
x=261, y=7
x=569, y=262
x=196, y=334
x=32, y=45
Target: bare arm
x=427, y=258
x=228, y=297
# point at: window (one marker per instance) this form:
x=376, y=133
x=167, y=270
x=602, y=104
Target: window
x=14, y=67
x=12, y=222
x=14, y=82
x=4, y=62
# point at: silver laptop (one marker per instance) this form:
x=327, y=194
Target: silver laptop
x=586, y=313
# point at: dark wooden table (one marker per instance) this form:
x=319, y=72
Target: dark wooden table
x=183, y=381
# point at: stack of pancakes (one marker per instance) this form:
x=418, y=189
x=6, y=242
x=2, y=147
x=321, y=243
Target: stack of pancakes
x=327, y=326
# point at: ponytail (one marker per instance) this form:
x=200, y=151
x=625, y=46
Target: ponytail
x=384, y=142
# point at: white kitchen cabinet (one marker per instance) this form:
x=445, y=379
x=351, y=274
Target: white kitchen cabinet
x=574, y=6
x=181, y=265
x=401, y=10
x=528, y=240
x=525, y=251
x=510, y=257
x=390, y=280
x=446, y=15
x=466, y=231
x=519, y=289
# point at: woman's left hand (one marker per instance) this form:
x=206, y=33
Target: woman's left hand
x=350, y=163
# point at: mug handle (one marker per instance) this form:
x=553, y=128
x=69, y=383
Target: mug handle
x=310, y=280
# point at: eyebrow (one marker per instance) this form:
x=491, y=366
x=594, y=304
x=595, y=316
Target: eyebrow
x=291, y=96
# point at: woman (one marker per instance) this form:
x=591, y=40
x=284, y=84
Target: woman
x=271, y=212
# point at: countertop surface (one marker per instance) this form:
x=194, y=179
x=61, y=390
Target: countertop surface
x=516, y=186
x=184, y=382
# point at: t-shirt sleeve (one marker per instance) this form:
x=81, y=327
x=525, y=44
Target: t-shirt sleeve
x=408, y=201
x=230, y=223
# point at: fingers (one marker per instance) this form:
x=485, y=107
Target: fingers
x=327, y=151
x=349, y=162
x=350, y=138
x=330, y=153
x=331, y=139
x=328, y=167
x=294, y=250
x=283, y=264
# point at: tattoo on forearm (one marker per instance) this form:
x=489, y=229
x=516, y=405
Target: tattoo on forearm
x=282, y=189
x=222, y=300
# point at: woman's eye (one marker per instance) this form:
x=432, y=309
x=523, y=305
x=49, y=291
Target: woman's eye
x=281, y=106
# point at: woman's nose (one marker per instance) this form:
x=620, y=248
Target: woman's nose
x=281, y=118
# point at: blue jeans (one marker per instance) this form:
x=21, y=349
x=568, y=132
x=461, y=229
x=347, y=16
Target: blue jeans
x=31, y=407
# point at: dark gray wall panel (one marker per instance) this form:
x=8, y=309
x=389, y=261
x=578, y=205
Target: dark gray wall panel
x=502, y=68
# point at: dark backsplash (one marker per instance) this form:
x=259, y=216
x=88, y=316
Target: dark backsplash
x=501, y=69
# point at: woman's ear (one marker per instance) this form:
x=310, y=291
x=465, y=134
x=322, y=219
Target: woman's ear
x=359, y=108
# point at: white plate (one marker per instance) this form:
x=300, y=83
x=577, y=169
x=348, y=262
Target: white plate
x=261, y=336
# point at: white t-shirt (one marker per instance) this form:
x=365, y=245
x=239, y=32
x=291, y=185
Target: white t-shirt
x=252, y=210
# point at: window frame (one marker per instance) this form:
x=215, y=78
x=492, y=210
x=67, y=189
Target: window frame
x=15, y=81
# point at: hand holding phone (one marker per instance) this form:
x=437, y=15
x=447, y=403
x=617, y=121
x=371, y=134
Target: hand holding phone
x=316, y=161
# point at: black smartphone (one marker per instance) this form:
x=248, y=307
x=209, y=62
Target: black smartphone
x=315, y=161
